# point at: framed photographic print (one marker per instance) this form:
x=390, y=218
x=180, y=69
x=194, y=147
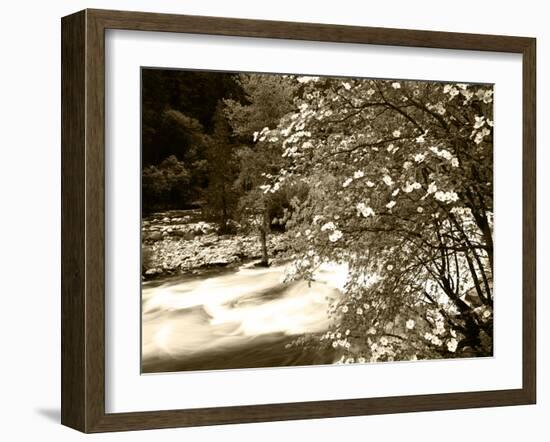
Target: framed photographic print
x=269, y=220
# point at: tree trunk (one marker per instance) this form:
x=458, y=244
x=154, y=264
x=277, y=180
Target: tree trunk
x=223, y=222
x=264, y=228
x=263, y=239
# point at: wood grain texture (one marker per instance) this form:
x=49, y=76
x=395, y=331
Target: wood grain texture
x=83, y=218
x=144, y=21
x=95, y=222
x=529, y=220
x=73, y=256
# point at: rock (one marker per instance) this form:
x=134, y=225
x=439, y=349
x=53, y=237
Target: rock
x=209, y=240
x=188, y=236
x=203, y=228
x=153, y=236
x=177, y=241
x=222, y=260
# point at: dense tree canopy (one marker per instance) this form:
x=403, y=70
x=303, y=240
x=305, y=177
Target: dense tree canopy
x=166, y=183
x=179, y=119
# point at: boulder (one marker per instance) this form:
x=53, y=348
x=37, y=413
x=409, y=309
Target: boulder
x=188, y=236
x=153, y=236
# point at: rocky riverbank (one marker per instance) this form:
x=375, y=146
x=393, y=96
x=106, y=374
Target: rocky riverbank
x=180, y=242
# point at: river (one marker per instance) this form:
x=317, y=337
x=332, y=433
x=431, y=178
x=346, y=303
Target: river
x=243, y=318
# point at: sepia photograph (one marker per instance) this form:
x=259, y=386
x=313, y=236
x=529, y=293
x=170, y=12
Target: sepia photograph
x=298, y=220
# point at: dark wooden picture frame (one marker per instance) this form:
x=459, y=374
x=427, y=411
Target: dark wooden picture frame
x=83, y=220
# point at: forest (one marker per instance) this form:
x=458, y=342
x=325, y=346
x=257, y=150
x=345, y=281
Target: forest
x=392, y=180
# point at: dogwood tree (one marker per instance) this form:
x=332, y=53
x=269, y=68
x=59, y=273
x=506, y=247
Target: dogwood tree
x=401, y=183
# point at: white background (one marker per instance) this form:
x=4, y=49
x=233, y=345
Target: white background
x=30, y=252
x=128, y=391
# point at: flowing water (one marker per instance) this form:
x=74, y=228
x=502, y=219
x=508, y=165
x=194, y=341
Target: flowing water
x=240, y=319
